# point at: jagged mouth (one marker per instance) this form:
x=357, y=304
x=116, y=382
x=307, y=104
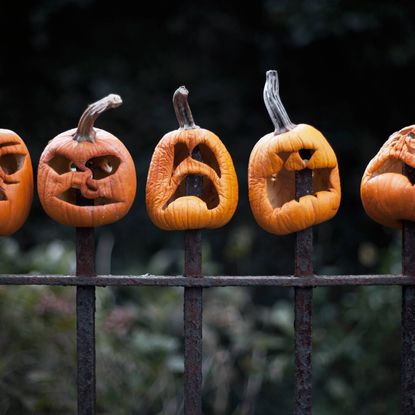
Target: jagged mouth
x=209, y=194
x=73, y=196
x=281, y=186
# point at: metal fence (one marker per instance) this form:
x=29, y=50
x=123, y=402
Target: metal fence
x=303, y=281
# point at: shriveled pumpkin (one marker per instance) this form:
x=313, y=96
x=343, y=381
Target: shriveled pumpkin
x=272, y=166
x=194, y=152
x=86, y=176
x=388, y=196
x=16, y=182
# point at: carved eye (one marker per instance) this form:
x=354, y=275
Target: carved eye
x=209, y=158
x=12, y=163
x=181, y=152
x=60, y=164
x=103, y=166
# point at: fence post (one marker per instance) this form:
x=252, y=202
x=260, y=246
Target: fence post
x=193, y=308
x=85, y=322
x=408, y=314
x=303, y=298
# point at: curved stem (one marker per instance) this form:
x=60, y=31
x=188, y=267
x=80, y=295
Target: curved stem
x=274, y=105
x=85, y=130
x=182, y=109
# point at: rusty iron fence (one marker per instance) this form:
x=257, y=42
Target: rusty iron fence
x=303, y=282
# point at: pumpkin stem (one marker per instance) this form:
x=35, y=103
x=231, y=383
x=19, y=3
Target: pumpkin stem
x=85, y=130
x=182, y=109
x=276, y=110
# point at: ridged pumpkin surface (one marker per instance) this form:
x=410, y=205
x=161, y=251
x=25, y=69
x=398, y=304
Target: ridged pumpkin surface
x=387, y=195
x=167, y=203
x=16, y=182
x=271, y=180
x=86, y=176
x=102, y=171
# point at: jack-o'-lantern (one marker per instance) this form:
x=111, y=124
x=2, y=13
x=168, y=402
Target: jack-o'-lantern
x=16, y=182
x=388, y=196
x=272, y=166
x=86, y=176
x=190, y=151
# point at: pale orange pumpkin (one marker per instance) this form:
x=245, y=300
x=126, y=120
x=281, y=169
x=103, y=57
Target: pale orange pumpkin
x=388, y=196
x=190, y=151
x=272, y=166
x=86, y=176
x=16, y=182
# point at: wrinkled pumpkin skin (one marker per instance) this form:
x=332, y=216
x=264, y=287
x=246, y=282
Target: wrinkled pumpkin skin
x=16, y=182
x=111, y=194
x=387, y=195
x=167, y=204
x=271, y=180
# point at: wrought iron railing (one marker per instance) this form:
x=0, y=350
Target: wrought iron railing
x=303, y=281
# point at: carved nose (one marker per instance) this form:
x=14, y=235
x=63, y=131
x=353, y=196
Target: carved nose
x=91, y=185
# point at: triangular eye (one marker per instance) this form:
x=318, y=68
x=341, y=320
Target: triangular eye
x=209, y=158
x=103, y=166
x=60, y=164
x=306, y=154
x=12, y=163
x=181, y=152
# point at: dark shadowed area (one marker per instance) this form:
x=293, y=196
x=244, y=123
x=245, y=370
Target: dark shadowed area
x=345, y=67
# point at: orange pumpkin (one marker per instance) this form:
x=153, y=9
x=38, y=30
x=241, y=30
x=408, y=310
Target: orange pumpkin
x=16, y=182
x=190, y=151
x=388, y=196
x=86, y=176
x=272, y=166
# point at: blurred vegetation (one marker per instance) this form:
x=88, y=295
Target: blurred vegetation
x=345, y=67
x=248, y=347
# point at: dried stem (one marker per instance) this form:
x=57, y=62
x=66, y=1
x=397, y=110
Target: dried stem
x=181, y=107
x=85, y=130
x=274, y=105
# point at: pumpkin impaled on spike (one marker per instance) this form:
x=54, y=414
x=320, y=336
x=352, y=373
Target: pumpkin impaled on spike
x=388, y=196
x=190, y=151
x=272, y=166
x=86, y=176
x=16, y=182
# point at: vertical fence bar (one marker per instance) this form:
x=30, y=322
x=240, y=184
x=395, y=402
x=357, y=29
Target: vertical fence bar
x=193, y=308
x=85, y=322
x=408, y=314
x=303, y=298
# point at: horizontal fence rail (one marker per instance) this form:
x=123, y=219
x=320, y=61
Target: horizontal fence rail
x=208, y=281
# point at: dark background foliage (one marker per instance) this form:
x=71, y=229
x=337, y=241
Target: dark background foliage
x=346, y=67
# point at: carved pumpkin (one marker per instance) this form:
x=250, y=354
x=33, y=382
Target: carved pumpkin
x=16, y=182
x=190, y=151
x=86, y=176
x=272, y=166
x=388, y=196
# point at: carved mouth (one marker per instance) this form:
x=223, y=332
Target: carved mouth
x=73, y=196
x=281, y=186
x=209, y=196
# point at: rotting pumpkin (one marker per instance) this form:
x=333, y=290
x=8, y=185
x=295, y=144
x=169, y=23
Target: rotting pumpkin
x=273, y=163
x=388, y=195
x=86, y=176
x=16, y=182
x=194, y=152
